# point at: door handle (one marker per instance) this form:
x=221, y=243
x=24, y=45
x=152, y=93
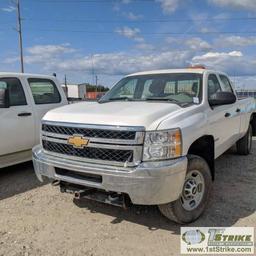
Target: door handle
x=24, y=114
x=238, y=110
x=227, y=114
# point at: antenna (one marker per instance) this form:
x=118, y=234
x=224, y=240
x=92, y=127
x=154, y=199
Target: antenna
x=96, y=82
x=66, y=85
x=92, y=69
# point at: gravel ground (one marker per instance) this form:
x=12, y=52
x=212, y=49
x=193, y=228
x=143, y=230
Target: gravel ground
x=36, y=219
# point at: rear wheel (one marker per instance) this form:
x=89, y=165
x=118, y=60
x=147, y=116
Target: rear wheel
x=195, y=193
x=244, y=145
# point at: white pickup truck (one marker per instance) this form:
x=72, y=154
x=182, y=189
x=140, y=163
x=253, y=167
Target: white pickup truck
x=24, y=100
x=151, y=140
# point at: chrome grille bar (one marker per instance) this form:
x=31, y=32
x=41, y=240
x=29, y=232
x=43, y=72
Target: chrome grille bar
x=61, y=128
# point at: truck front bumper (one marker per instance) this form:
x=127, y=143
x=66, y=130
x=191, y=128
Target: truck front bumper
x=150, y=183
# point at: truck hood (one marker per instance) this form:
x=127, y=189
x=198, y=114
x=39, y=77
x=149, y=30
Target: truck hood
x=146, y=114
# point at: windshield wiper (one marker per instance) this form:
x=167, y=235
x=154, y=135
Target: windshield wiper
x=162, y=99
x=181, y=104
x=116, y=99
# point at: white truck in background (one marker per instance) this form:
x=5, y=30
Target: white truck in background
x=75, y=91
x=24, y=100
x=151, y=140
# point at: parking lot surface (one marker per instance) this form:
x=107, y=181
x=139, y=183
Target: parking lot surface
x=36, y=219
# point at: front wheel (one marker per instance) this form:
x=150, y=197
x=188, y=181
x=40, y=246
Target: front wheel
x=195, y=193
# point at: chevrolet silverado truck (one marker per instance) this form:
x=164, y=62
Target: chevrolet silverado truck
x=24, y=100
x=151, y=140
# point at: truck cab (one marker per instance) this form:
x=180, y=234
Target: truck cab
x=24, y=100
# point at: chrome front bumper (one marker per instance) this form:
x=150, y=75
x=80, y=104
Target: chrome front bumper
x=147, y=184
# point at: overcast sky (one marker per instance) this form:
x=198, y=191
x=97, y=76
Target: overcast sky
x=112, y=38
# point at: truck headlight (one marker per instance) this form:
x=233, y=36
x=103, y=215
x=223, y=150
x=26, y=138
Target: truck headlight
x=160, y=145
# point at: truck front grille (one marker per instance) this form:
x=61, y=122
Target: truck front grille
x=116, y=145
x=90, y=132
x=91, y=153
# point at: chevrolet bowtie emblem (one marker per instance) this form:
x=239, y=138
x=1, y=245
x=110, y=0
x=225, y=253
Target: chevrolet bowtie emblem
x=78, y=141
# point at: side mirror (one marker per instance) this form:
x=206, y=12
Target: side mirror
x=4, y=98
x=222, y=98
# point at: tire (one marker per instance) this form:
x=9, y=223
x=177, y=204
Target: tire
x=180, y=211
x=244, y=145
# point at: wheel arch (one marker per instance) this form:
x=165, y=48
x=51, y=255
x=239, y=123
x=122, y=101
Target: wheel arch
x=253, y=123
x=204, y=147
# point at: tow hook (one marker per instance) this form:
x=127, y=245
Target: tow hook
x=82, y=193
x=56, y=183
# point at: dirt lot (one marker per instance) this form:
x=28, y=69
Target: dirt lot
x=36, y=219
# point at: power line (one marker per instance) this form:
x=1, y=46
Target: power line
x=142, y=21
x=90, y=1
x=6, y=23
x=7, y=29
x=144, y=33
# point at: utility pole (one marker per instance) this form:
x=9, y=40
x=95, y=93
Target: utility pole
x=19, y=30
x=96, y=82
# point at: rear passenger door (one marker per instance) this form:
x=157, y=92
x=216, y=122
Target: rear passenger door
x=17, y=129
x=234, y=109
x=222, y=122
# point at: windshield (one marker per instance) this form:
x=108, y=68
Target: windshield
x=180, y=88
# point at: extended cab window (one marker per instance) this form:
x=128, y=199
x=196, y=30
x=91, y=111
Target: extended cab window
x=16, y=93
x=226, y=84
x=213, y=85
x=44, y=91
